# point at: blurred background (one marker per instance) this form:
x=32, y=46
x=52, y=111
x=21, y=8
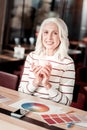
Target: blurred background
x=21, y=19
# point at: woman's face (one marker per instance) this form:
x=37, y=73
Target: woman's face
x=50, y=37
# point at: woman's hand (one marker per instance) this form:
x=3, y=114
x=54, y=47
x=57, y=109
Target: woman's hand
x=46, y=72
x=36, y=68
x=42, y=74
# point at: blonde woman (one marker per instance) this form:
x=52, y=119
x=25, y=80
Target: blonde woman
x=49, y=71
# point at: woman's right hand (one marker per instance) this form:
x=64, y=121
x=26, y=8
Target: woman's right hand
x=36, y=68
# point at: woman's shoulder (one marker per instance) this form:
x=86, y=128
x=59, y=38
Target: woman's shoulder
x=32, y=55
x=69, y=63
x=68, y=60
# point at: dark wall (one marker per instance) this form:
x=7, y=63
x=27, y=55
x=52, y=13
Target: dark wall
x=2, y=21
x=72, y=16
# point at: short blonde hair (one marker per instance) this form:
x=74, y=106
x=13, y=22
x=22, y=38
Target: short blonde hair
x=62, y=50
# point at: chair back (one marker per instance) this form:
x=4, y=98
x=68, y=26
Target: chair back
x=82, y=74
x=8, y=80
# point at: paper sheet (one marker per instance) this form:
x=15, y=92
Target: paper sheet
x=82, y=124
x=3, y=99
x=52, y=109
x=61, y=118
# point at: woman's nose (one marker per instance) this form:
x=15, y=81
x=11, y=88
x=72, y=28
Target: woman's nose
x=50, y=36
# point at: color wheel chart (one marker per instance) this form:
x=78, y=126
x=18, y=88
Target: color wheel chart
x=35, y=107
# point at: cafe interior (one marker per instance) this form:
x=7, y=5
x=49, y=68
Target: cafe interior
x=19, y=26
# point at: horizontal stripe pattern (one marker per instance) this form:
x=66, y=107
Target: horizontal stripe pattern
x=62, y=79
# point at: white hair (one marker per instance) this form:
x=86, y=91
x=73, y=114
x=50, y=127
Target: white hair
x=62, y=50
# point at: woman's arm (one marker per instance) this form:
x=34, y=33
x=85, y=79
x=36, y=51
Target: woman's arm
x=26, y=83
x=64, y=94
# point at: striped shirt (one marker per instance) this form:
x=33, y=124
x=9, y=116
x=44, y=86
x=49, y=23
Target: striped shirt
x=62, y=79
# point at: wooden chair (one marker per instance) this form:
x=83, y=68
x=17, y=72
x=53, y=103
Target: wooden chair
x=80, y=89
x=8, y=80
x=80, y=103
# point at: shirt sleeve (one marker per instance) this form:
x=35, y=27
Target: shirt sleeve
x=64, y=94
x=27, y=77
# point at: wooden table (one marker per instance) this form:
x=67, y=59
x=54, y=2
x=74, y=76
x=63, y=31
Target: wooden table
x=9, y=63
x=35, y=121
x=8, y=56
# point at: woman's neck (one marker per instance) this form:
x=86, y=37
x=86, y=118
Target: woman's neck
x=50, y=52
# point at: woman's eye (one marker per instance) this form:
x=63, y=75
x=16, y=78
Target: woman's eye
x=55, y=33
x=45, y=32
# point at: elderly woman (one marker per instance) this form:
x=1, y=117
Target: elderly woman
x=49, y=71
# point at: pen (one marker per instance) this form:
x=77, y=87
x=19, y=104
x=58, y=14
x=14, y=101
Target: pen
x=70, y=124
x=70, y=112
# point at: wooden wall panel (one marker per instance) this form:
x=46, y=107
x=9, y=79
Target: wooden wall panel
x=2, y=20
